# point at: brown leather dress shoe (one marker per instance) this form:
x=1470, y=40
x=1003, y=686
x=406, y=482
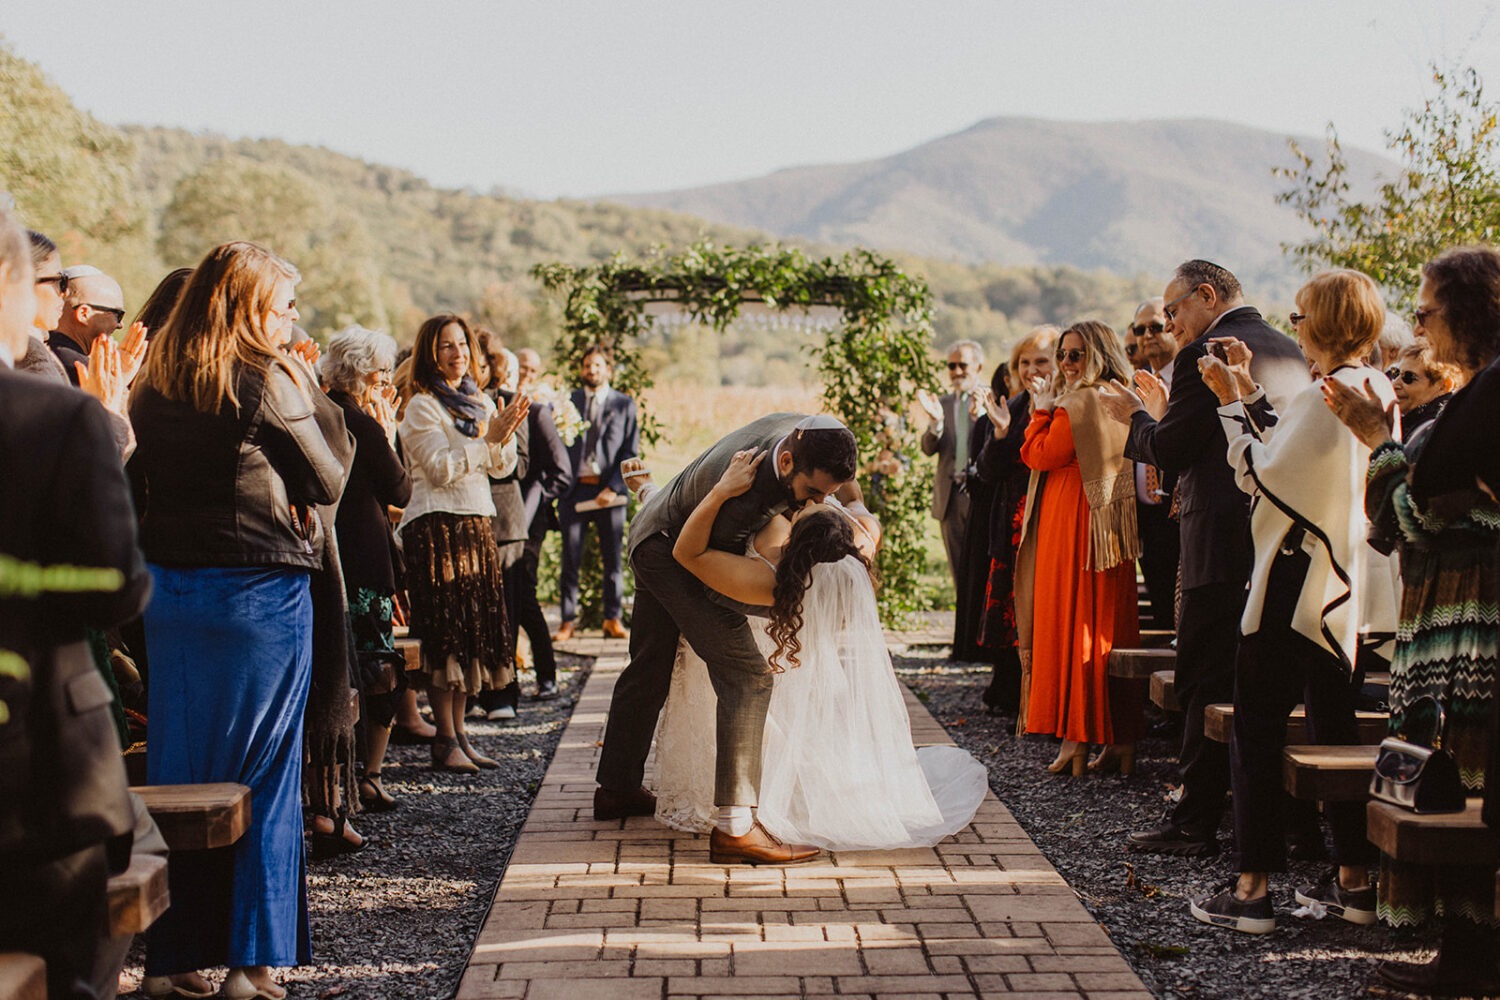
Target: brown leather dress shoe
x=564, y=632
x=614, y=630
x=618, y=805
x=758, y=847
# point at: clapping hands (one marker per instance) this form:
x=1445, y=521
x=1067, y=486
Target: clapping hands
x=1153, y=393
x=1043, y=395
x=507, y=420
x=997, y=410
x=1361, y=411
x=104, y=376
x=930, y=404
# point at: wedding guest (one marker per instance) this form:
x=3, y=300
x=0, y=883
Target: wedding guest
x=1200, y=300
x=1300, y=630
x=162, y=300
x=1161, y=545
x=949, y=420
x=1423, y=384
x=612, y=435
x=549, y=475
x=1423, y=495
x=1000, y=464
x=1076, y=567
x=1395, y=337
x=93, y=307
x=231, y=461
x=357, y=369
x=509, y=522
x=63, y=796
x=453, y=440
x=983, y=494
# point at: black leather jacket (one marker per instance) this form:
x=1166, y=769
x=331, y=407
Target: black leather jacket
x=235, y=488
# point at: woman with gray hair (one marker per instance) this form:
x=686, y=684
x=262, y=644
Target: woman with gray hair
x=357, y=370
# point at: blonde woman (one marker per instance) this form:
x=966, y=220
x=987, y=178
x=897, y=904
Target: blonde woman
x=233, y=453
x=1075, y=578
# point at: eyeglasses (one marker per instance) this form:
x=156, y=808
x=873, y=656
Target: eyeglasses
x=1141, y=329
x=118, y=314
x=1404, y=377
x=1171, y=307
x=60, y=280
x=1072, y=355
x=1297, y=318
x=1419, y=316
x=954, y=366
x=1130, y=350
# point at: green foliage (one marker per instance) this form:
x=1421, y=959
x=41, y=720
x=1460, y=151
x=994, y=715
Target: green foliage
x=1447, y=194
x=871, y=365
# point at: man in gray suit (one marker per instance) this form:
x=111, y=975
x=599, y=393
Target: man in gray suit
x=950, y=418
x=809, y=458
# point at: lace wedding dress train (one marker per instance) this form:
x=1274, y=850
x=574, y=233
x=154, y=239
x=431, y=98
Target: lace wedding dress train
x=839, y=768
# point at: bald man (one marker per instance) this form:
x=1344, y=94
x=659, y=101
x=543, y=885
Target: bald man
x=94, y=307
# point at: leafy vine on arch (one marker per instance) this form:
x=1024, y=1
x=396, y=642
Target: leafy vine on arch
x=871, y=364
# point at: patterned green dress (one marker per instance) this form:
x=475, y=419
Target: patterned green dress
x=1447, y=641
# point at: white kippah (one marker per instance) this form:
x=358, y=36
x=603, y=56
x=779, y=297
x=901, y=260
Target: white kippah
x=82, y=271
x=820, y=422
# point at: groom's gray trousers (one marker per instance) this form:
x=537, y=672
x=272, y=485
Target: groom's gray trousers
x=671, y=602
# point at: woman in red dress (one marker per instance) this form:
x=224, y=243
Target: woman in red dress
x=1078, y=551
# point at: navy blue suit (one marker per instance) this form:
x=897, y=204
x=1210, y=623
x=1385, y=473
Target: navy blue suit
x=616, y=438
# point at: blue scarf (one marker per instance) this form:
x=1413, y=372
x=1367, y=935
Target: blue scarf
x=464, y=403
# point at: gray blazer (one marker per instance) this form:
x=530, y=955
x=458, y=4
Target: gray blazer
x=944, y=448
x=667, y=510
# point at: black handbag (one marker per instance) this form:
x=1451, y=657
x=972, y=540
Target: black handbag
x=1420, y=778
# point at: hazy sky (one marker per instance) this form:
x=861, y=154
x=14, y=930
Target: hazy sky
x=583, y=98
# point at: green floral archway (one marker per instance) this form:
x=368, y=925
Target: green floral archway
x=871, y=363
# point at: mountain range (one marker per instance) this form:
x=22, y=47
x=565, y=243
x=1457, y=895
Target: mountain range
x=1127, y=197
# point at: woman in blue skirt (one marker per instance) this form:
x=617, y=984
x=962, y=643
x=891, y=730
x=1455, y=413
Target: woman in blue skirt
x=236, y=444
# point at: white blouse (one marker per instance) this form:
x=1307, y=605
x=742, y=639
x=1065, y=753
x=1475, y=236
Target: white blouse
x=1309, y=463
x=450, y=472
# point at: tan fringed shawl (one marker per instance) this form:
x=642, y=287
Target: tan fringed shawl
x=1109, y=489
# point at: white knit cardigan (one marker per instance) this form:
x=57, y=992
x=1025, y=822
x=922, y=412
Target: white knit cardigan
x=1307, y=469
x=449, y=471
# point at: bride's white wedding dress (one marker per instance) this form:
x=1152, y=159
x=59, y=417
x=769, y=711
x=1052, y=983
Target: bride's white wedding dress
x=839, y=770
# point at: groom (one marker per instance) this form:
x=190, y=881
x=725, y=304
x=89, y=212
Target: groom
x=808, y=459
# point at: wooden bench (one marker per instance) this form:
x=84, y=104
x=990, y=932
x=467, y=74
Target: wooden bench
x=1218, y=723
x=22, y=976
x=412, y=650
x=137, y=896
x=1164, y=690
x=1459, y=838
x=1156, y=638
x=1140, y=664
x=198, y=817
x=1328, y=774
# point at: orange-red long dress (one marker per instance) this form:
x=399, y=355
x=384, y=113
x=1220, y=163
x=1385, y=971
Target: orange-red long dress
x=1078, y=615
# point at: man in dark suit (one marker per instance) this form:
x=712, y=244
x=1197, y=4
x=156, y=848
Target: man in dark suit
x=612, y=435
x=807, y=458
x=950, y=419
x=65, y=818
x=549, y=475
x=1204, y=301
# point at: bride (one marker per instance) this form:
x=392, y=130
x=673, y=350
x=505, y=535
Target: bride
x=838, y=768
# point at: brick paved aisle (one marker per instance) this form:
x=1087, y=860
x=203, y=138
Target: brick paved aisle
x=633, y=910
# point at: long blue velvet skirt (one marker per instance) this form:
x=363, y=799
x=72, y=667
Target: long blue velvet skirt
x=231, y=660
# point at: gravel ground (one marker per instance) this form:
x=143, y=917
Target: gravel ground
x=399, y=919
x=1142, y=899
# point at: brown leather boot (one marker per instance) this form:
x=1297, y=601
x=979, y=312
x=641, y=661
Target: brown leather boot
x=614, y=630
x=618, y=805
x=758, y=847
x=564, y=632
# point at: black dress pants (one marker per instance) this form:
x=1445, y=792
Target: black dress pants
x=1208, y=634
x=1276, y=669
x=1160, y=554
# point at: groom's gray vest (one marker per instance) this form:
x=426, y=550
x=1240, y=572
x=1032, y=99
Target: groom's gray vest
x=741, y=516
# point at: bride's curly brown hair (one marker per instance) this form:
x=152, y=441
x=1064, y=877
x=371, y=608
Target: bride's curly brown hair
x=820, y=537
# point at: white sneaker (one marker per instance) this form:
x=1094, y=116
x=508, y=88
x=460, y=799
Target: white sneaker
x=502, y=713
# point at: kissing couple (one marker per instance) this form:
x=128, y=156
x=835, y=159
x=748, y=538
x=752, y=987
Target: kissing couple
x=756, y=628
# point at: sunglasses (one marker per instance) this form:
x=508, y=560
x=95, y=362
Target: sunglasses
x=1073, y=355
x=1296, y=318
x=954, y=366
x=1140, y=330
x=60, y=280
x=118, y=314
x=1397, y=375
x=1130, y=350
